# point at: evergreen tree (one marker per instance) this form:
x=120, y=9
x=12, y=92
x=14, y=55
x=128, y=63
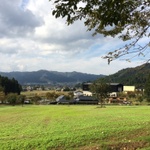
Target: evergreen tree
x=9, y=85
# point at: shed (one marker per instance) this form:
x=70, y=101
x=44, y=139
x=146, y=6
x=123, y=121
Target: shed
x=116, y=87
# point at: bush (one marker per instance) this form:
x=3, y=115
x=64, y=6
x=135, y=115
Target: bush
x=12, y=98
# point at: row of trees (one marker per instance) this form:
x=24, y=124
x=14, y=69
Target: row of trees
x=10, y=91
x=9, y=85
x=12, y=98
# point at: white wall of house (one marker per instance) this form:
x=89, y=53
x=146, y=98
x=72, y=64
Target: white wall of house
x=78, y=93
x=128, y=88
x=87, y=93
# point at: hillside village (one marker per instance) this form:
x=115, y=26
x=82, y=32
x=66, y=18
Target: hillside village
x=120, y=94
x=123, y=92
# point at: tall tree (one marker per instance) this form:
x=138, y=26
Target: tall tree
x=126, y=19
x=9, y=85
x=100, y=90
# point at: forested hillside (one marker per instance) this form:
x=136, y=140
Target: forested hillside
x=50, y=77
x=131, y=76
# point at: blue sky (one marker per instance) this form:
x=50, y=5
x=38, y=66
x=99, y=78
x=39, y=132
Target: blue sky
x=23, y=4
x=32, y=39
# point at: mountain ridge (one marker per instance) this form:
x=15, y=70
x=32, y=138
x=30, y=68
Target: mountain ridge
x=131, y=76
x=50, y=77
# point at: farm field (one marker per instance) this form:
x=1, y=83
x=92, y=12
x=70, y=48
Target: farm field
x=35, y=92
x=74, y=127
x=29, y=94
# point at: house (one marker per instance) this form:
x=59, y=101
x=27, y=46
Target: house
x=86, y=86
x=86, y=89
x=128, y=89
x=62, y=100
x=78, y=100
x=116, y=87
x=77, y=93
x=86, y=100
x=87, y=93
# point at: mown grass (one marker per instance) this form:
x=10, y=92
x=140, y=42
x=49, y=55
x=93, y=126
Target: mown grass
x=74, y=127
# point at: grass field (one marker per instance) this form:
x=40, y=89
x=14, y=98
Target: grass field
x=35, y=92
x=74, y=127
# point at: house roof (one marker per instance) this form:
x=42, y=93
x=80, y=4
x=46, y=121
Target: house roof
x=114, y=83
x=86, y=98
x=89, y=83
x=59, y=98
x=107, y=83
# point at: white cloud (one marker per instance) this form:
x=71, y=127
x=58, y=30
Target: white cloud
x=32, y=39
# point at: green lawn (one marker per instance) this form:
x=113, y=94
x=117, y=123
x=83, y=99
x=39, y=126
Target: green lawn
x=74, y=127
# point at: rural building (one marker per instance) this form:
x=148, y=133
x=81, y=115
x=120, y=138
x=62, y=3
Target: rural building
x=78, y=100
x=114, y=87
x=87, y=93
x=86, y=89
x=78, y=93
x=128, y=89
x=62, y=100
x=86, y=86
x=86, y=100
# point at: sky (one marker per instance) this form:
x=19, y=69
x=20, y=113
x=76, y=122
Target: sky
x=32, y=39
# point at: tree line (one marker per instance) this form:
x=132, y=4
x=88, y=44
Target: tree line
x=9, y=85
x=10, y=91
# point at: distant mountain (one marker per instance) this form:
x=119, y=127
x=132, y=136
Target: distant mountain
x=50, y=77
x=131, y=76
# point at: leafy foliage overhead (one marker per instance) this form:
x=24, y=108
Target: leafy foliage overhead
x=127, y=19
